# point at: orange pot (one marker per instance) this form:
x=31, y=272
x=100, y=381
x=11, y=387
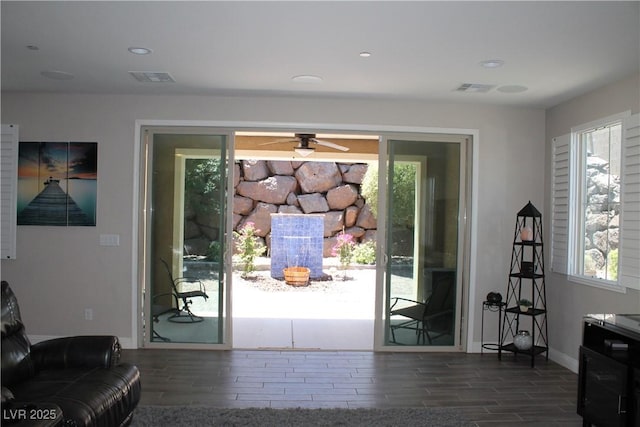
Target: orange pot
x=296, y=276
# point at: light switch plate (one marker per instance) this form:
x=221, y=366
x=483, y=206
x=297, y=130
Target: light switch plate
x=109, y=240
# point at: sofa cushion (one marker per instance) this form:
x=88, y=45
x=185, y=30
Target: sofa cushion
x=89, y=397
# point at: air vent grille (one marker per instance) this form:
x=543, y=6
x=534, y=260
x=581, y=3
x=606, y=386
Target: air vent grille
x=152, y=76
x=474, y=88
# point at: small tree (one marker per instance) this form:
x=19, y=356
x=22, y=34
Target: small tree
x=402, y=195
x=249, y=247
x=202, y=185
x=344, y=249
x=369, y=188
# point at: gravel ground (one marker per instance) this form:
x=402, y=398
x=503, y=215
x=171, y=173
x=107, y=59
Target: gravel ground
x=262, y=280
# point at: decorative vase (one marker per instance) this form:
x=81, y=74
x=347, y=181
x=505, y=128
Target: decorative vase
x=524, y=308
x=523, y=341
x=296, y=276
x=526, y=234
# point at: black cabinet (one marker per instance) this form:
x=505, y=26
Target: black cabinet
x=609, y=372
x=635, y=393
x=524, y=329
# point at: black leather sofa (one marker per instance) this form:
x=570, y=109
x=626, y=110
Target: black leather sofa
x=80, y=376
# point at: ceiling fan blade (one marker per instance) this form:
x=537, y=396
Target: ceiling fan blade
x=279, y=141
x=331, y=145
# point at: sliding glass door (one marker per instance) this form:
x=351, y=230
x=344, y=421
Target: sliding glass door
x=423, y=193
x=424, y=240
x=184, y=236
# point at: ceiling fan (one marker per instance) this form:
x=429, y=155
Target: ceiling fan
x=304, y=139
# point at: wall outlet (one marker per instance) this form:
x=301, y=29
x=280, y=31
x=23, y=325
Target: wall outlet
x=88, y=314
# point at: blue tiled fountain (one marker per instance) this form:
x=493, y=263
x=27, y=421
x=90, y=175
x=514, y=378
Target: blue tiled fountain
x=296, y=241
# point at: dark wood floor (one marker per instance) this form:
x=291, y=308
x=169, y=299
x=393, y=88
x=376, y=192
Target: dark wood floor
x=488, y=391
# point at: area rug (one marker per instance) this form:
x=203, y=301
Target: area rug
x=159, y=416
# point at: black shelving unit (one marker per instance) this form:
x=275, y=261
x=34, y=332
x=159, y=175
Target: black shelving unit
x=526, y=281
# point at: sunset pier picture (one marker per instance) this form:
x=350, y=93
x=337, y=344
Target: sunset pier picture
x=57, y=183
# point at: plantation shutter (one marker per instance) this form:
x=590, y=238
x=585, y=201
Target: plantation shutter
x=629, y=252
x=560, y=204
x=8, y=190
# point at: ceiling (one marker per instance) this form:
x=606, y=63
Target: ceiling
x=551, y=51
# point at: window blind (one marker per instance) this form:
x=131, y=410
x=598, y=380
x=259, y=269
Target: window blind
x=8, y=190
x=629, y=252
x=560, y=204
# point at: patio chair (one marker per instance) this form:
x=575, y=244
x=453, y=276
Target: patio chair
x=184, y=314
x=430, y=319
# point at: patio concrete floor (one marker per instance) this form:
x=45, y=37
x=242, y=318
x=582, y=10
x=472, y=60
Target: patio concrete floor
x=327, y=315
x=336, y=314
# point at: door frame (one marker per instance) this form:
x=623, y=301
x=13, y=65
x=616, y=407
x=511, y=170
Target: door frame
x=468, y=250
x=463, y=340
x=141, y=266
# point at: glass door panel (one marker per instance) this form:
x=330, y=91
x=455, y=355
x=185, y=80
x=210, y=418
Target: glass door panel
x=186, y=199
x=422, y=246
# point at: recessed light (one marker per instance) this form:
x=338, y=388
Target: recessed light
x=306, y=78
x=492, y=63
x=365, y=54
x=512, y=89
x=139, y=50
x=57, y=75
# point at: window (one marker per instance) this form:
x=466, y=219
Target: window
x=595, y=215
x=595, y=237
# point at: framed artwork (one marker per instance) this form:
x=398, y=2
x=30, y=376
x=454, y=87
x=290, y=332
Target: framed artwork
x=57, y=183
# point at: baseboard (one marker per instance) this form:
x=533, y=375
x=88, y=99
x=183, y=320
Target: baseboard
x=564, y=360
x=127, y=343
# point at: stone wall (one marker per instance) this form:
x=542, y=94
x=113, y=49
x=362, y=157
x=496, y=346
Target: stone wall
x=602, y=216
x=263, y=187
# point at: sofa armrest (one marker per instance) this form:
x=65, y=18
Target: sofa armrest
x=76, y=352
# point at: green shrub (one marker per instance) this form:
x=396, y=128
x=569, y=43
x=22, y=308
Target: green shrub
x=403, y=192
x=249, y=247
x=365, y=253
x=202, y=185
x=369, y=188
x=214, y=251
x=403, y=195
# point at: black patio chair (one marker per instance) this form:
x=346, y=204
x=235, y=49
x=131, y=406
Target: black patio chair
x=184, y=314
x=430, y=319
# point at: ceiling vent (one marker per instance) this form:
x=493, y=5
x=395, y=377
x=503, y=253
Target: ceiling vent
x=474, y=88
x=152, y=76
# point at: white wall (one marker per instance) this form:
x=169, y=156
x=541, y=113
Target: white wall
x=61, y=271
x=569, y=301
